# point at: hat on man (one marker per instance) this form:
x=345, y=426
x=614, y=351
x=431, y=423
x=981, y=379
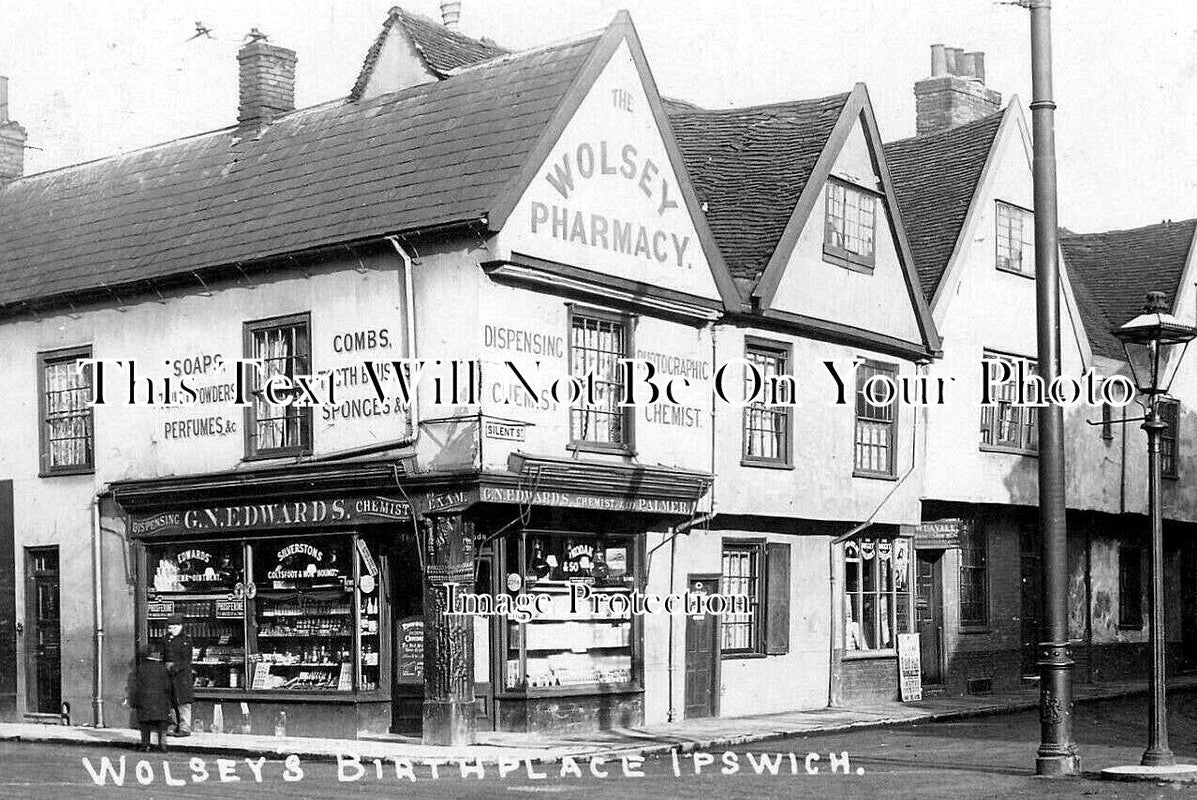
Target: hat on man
x=175, y=619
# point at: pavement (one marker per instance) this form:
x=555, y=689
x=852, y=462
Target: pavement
x=685, y=736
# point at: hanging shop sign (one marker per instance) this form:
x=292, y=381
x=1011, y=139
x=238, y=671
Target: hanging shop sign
x=940, y=534
x=266, y=516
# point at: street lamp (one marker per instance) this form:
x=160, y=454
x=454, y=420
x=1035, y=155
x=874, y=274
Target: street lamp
x=1155, y=342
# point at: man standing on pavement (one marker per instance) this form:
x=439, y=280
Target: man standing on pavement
x=177, y=653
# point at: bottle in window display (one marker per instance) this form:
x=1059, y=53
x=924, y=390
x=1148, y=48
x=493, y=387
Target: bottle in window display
x=541, y=567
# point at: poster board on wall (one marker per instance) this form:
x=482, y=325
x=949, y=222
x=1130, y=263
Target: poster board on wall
x=910, y=667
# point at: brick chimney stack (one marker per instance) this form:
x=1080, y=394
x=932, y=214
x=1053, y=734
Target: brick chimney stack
x=451, y=13
x=955, y=93
x=267, y=83
x=12, y=141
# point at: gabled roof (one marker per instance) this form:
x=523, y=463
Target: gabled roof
x=442, y=50
x=430, y=155
x=749, y=167
x=1119, y=268
x=935, y=178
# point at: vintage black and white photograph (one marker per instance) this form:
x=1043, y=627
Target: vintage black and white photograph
x=601, y=398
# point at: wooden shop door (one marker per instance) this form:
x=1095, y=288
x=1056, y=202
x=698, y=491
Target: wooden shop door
x=45, y=675
x=702, y=655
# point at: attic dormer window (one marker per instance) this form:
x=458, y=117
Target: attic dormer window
x=1015, y=239
x=850, y=229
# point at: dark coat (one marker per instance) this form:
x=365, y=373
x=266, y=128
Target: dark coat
x=151, y=692
x=177, y=655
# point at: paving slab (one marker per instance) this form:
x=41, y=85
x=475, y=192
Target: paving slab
x=685, y=736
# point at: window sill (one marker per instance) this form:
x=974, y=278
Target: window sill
x=879, y=476
x=847, y=260
x=1010, y=451
x=599, y=447
x=1128, y=627
x=742, y=656
x=765, y=463
x=865, y=655
x=65, y=471
x=1012, y=271
x=277, y=454
x=967, y=631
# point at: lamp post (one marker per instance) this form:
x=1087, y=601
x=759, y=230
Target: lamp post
x=1155, y=342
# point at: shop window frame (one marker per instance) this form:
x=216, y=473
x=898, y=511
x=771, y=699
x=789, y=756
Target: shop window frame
x=866, y=370
x=755, y=548
x=250, y=624
x=785, y=352
x=1024, y=418
x=1169, y=411
x=974, y=537
x=515, y=546
x=625, y=413
x=898, y=627
x=45, y=360
x=838, y=254
x=307, y=433
x=1026, y=221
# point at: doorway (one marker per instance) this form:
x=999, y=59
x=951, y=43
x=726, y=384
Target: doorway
x=42, y=610
x=1031, y=566
x=1188, y=607
x=929, y=614
x=702, y=654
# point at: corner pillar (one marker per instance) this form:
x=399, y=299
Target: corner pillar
x=448, y=640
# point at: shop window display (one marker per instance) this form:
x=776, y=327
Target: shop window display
x=304, y=615
x=587, y=647
x=201, y=581
x=876, y=592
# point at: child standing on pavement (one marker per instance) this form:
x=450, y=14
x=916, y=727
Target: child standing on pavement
x=151, y=697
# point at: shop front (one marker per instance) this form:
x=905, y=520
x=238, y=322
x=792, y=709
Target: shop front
x=288, y=602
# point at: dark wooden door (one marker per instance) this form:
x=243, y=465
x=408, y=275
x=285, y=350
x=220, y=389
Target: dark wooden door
x=46, y=685
x=1188, y=607
x=929, y=614
x=1031, y=564
x=702, y=655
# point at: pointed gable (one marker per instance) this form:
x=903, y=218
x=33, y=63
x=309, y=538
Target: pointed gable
x=611, y=194
x=412, y=49
x=935, y=178
x=749, y=167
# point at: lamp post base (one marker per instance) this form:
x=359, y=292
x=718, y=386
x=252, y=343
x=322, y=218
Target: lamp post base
x=1057, y=765
x=1177, y=773
x=1157, y=757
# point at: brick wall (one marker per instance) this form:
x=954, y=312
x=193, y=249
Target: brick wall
x=949, y=100
x=864, y=680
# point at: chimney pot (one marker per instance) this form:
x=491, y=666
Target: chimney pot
x=939, y=62
x=978, y=60
x=266, y=83
x=953, y=54
x=955, y=93
x=12, y=141
x=451, y=13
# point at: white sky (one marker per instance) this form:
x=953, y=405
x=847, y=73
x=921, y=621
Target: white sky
x=92, y=77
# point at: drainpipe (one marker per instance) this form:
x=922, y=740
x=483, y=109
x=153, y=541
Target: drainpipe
x=671, y=714
x=409, y=318
x=97, y=702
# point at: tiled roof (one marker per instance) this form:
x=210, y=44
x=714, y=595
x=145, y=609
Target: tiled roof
x=749, y=166
x=1119, y=268
x=935, y=177
x=1097, y=326
x=428, y=155
x=441, y=49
